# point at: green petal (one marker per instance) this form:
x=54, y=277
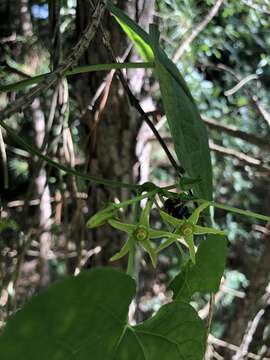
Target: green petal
x=144, y=219
x=190, y=243
x=125, y=249
x=170, y=219
x=194, y=217
x=128, y=228
x=154, y=234
x=165, y=244
x=198, y=230
x=148, y=247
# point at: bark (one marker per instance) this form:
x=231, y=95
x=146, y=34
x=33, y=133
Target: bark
x=42, y=189
x=112, y=135
x=248, y=307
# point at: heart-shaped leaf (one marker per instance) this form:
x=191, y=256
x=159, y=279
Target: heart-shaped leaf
x=85, y=318
x=204, y=276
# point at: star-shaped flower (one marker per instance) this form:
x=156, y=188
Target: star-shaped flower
x=187, y=228
x=140, y=233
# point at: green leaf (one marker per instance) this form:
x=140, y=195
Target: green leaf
x=85, y=318
x=8, y=223
x=188, y=131
x=174, y=333
x=136, y=34
x=186, y=183
x=204, y=276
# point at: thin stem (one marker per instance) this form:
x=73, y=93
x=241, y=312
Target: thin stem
x=76, y=70
x=136, y=104
x=237, y=210
x=132, y=250
x=210, y=317
x=34, y=151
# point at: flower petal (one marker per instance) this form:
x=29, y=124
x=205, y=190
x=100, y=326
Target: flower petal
x=194, y=217
x=165, y=244
x=144, y=219
x=125, y=249
x=198, y=230
x=148, y=247
x=190, y=243
x=129, y=228
x=155, y=234
x=170, y=219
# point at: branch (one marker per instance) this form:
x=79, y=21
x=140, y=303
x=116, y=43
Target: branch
x=262, y=8
x=229, y=129
x=233, y=131
x=253, y=98
x=4, y=159
x=213, y=340
x=196, y=31
x=24, y=101
x=243, y=158
x=241, y=83
x=252, y=327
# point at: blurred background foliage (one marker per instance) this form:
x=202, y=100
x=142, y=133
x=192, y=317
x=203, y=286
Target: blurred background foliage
x=226, y=66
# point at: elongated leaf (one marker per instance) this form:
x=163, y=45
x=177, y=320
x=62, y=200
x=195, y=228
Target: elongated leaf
x=188, y=131
x=204, y=276
x=85, y=318
x=136, y=34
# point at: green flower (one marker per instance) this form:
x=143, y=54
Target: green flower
x=187, y=229
x=140, y=234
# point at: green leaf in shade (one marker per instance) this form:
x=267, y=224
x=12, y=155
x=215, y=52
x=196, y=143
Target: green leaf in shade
x=204, y=276
x=8, y=223
x=188, y=131
x=85, y=318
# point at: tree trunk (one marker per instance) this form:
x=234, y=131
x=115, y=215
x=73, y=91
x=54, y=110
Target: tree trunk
x=111, y=133
x=42, y=188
